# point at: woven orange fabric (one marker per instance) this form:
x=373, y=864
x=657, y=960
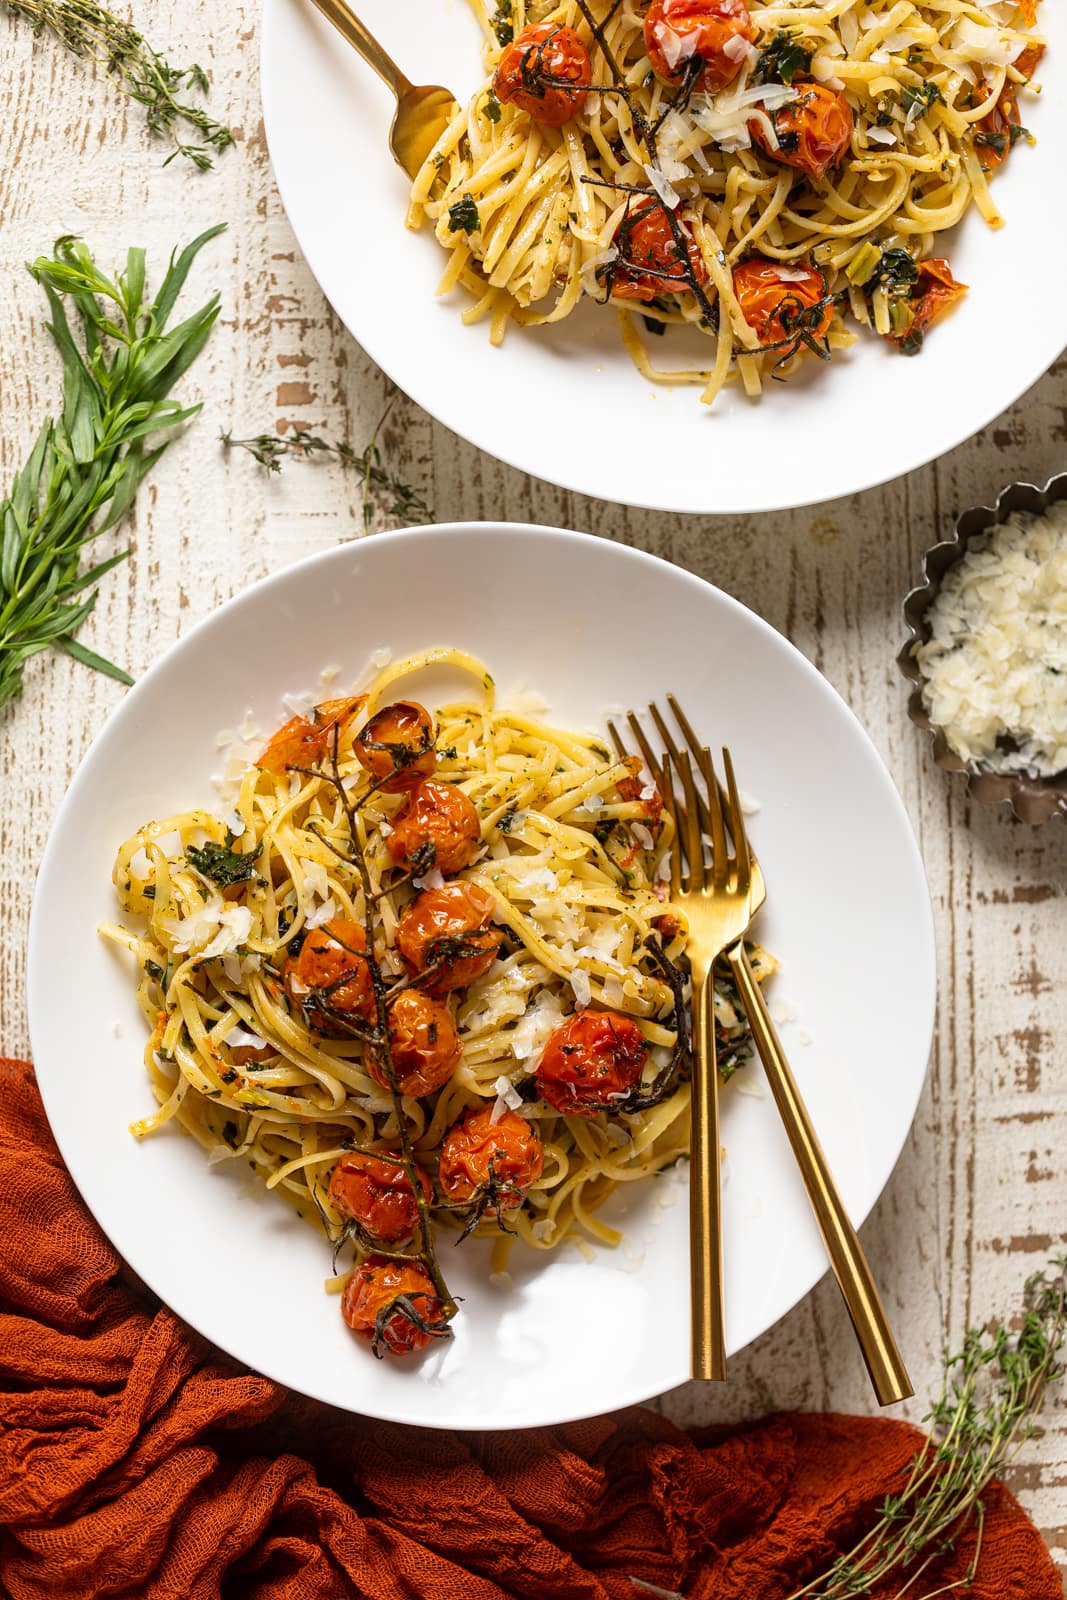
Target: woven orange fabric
x=135, y=1461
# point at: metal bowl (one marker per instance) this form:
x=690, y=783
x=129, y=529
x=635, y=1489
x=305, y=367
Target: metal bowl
x=1032, y=799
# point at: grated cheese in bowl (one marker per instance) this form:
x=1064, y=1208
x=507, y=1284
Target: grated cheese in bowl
x=995, y=664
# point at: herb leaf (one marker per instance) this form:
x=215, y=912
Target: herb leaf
x=464, y=215
x=917, y=100
x=501, y=23
x=221, y=864
x=82, y=473
x=782, y=59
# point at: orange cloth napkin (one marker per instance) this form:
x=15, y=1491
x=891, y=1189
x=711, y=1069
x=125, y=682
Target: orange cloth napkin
x=136, y=1461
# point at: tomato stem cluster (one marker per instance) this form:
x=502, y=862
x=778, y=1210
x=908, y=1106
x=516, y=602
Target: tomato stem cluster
x=380, y=1043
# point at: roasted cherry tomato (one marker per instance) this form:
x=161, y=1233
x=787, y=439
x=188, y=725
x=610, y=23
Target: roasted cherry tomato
x=591, y=1063
x=649, y=262
x=305, y=740
x=1030, y=59
x=667, y=926
x=934, y=292
x=536, y=69
x=780, y=302
x=490, y=1161
x=378, y=1196
x=634, y=787
x=370, y=1306
x=330, y=974
x=423, y=1043
x=998, y=132
x=712, y=31
x=813, y=131
x=396, y=745
x=437, y=827
x=447, y=929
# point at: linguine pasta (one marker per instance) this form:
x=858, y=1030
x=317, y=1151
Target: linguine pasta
x=569, y=845
x=756, y=247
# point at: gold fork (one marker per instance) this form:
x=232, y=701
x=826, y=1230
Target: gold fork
x=715, y=898
x=888, y=1373
x=422, y=112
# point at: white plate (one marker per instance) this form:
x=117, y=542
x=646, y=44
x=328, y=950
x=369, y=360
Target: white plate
x=592, y=625
x=871, y=415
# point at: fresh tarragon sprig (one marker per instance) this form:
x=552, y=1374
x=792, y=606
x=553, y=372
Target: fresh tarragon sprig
x=83, y=472
x=117, y=49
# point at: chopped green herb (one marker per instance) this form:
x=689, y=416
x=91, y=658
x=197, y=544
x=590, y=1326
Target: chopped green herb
x=501, y=23
x=449, y=754
x=463, y=216
x=653, y=326
x=507, y=821
x=917, y=101
x=782, y=59
x=229, y=1133
x=897, y=272
x=492, y=107
x=221, y=864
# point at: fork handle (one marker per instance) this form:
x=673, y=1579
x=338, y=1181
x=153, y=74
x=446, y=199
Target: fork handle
x=888, y=1373
x=705, y=1196
x=360, y=38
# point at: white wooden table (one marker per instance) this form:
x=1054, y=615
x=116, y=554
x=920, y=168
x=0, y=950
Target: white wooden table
x=979, y=1198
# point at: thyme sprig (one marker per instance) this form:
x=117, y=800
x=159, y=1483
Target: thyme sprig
x=378, y=1039
x=379, y=482
x=993, y=1390
x=116, y=47
x=120, y=362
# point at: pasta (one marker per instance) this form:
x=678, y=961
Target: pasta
x=315, y=1013
x=765, y=174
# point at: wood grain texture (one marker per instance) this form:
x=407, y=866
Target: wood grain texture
x=979, y=1198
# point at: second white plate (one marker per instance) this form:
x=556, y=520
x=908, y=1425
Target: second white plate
x=565, y=403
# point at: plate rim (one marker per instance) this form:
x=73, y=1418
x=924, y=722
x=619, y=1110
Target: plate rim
x=35, y=963
x=859, y=483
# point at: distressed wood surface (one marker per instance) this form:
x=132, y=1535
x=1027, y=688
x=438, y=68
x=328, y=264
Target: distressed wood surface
x=979, y=1198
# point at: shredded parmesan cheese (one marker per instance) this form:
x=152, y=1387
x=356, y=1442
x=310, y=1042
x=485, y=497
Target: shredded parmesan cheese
x=996, y=662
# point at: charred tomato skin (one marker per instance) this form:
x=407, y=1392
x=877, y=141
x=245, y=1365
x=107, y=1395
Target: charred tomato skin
x=591, y=1063
x=775, y=305
x=450, y=925
x=396, y=746
x=649, y=260
x=304, y=741
x=373, y=1288
x=527, y=73
x=813, y=131
x=478, y=1152
x=437, y=827
x=423, y=1043
x=377, y=1194
x=701, y=29
x=330, y=972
